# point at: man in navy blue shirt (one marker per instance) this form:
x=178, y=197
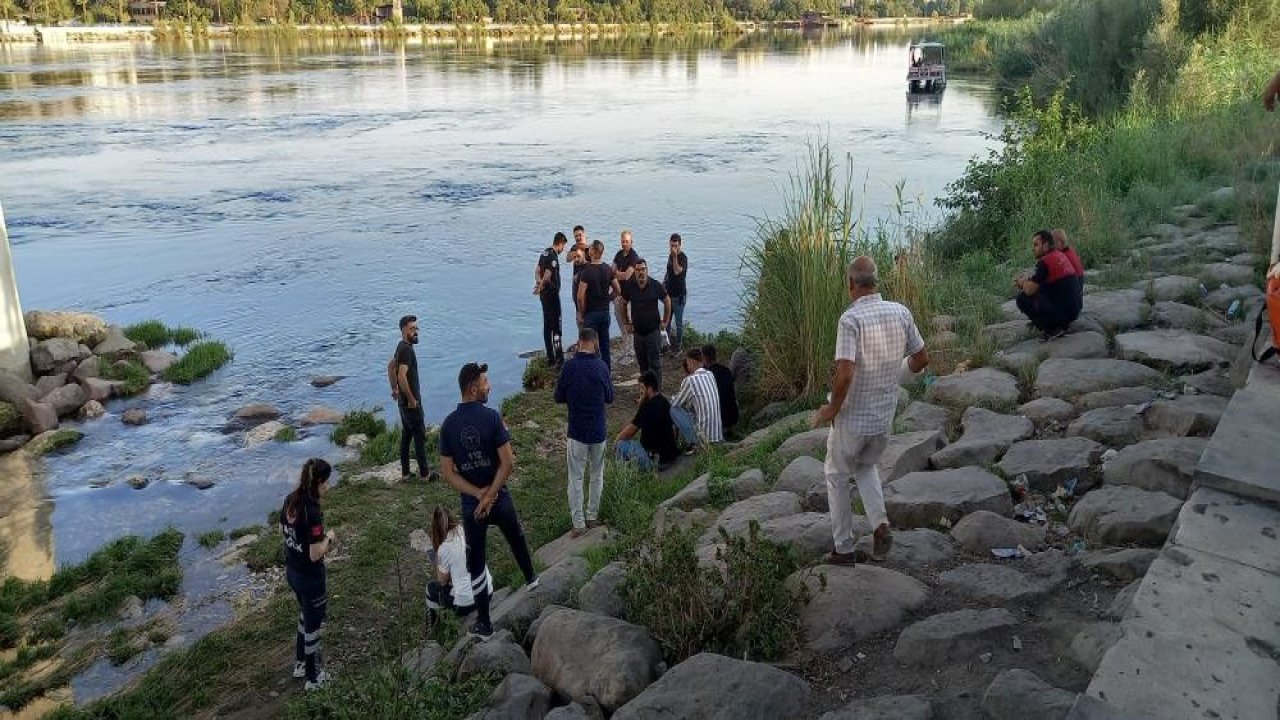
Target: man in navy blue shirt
x=477, y=459
x=585, y=386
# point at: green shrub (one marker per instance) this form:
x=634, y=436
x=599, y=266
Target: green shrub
x=47, y=630
x=286, y=434
x=135, y=377
x=748, y=611
x=183, y=336
x=538, y=375
x=391, y=691
x=151, y=333
x=358, y=422
x=211, y=538
x=200, y=361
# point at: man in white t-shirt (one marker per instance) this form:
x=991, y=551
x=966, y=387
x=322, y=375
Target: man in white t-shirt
x=873, y=341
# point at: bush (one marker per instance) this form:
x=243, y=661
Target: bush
x=358, y=422
x=538, y=375
x=748, y=611
x=135, y=377
x=200, y=361
x=391, y=691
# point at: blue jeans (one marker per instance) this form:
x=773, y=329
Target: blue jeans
x=684, y=425
x=598, y=320
x=633, y=451
x=677, y=310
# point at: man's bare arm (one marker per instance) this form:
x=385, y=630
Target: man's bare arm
x=405, y=391
x=456, y=481
x=918, y=361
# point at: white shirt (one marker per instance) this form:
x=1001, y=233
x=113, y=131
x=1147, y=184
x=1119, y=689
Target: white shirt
x=451, y=557
x=699, y=394
x=875, y=335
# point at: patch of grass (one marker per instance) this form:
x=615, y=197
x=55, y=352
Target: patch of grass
x=538, y=375
x=155, y=334
x=390, y=691
x=47, y=630
x=122, y=646
x=267, y=551
x=10, y=419
x=183, y=336
x=135, y=377
x=157, y=635
x=200, y=361
x=55, y=441
x=211, y=538
x=242, y=531
x=10, y=631
x=358, y=422
x=286, y=434
x=25, y=657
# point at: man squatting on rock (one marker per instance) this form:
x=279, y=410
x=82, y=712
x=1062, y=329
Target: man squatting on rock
x=875, y=342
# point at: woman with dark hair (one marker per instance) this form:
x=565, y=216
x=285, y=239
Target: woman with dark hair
x=306, y=542
x=453, y=587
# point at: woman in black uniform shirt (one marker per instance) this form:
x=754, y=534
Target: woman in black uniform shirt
x=305, y=544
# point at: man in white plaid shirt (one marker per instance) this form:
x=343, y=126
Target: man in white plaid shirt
x=876, y=340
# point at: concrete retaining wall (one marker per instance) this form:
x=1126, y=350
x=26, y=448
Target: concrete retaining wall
x=15, y=350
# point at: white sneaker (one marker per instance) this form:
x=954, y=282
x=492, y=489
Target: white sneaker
x=534, y=583
x=322, y=679
x=299, y=669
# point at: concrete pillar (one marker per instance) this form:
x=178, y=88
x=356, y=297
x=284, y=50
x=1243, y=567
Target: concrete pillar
x=15, y=350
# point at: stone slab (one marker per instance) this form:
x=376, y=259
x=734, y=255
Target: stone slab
x=1029, y=353
x=1231, y=528
x=566, y=545
x=1243, y=455
x=1068, y=378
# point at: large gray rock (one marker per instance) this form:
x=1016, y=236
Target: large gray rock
x=855, y=603
x=499, y=655
x=574, y=711
x=1185, y=317
x=921, y=415
x=79, y=327
x=737, y=518
x=914, y=548
x=1214, y=274
x=809, y=442
x=1117, y=310
x=263, y=433
x=1119, y=607
x=66, y=400
x=907, y=453
x=1173, y=349
x=15, y=390
x=1187, y=415
x=1222, y=298
x=1068, y=378
x=421, y=661
x=666, y=519
x=115, y=344
x=517, y=697
x=1018, y=694
x=959, y=635
x=1169, y=287
x=49, y=383
x=983, y=531
x=98, y=389
x=39, y=417
x=602, y=594
x=1009, y=332
x=1092, y=642
x=1050, y=463
x=986, y=387
x=1122, y=514
x=1123, y=565
x=1114, y=398
x=809, y=534
x=1030, y=353
x=995, y=584
x=986, y=436
x=1209, y=382
x=1045, y=410
x=49, y=355
x=888, y=707
x=790, y=424
x=1111, y=426
x=714, y=687
x=801, y=475
x=566, y=545
x=90, y=367
x=557, y=586
x=157, y=361
x=593, y=658
x=922, y=499
x=257, y=412
x=691, y=496
x=1166, y=465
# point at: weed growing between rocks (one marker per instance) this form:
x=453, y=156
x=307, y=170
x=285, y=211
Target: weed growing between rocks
x=210, y=539
x=538, y=375
x=131, y=373
x=286, y=434
x=393, y=692
x=745, y=610
x=200, y=361
x=358, y=422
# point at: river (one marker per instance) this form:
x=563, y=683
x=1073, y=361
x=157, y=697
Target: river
x=295, y=198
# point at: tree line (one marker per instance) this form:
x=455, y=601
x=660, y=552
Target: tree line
x=505, y=11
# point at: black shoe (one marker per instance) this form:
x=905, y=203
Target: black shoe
x=481, y=631
x=430, y=476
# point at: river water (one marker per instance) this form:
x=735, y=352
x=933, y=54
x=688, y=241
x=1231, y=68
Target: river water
x=295, y=198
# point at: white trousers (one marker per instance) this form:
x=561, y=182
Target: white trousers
x=853, y=457
x=579, y=455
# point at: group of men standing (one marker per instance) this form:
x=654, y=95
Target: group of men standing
x=1053, y=295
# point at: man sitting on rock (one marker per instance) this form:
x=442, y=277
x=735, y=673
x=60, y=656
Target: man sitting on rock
x=653, y=424
x=875, y=340
x=1052, y=297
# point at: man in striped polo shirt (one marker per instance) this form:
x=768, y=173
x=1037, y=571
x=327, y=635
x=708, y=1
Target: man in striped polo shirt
x=873, y=342
x=696, y=407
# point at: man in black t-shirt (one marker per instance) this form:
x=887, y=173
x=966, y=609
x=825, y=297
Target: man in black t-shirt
x=624, y=266
x=402, y=372
x=724, y=386
x=674, y=282
x=579, y=256
x=596, y=284
x=641, y=297
x=653, y=423
x=546, y=286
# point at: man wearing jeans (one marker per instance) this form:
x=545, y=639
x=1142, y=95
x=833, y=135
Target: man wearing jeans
x=652, y=422
x=597, y=284
x=641, y=298
x=872, y=342
x=585, y=386
x=477, y=460
x=695, y=409
x=673, y=281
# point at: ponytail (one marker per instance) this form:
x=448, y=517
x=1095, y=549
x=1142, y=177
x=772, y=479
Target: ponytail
x=442, y=523
x=314, y=473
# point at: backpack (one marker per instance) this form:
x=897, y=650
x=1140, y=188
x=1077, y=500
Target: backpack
x=1271, y=310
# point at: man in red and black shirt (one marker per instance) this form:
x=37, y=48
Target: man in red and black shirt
x=1051, y=298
